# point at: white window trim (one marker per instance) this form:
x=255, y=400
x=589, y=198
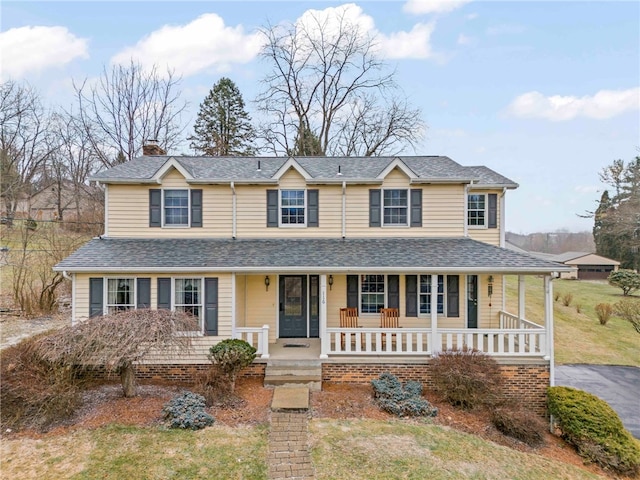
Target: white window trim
x=386, y=294
x=444, y=313
x=382, y=207
x=486, y=212
x=305, y=207
x=162, y=211
x=105, y=292
x=200, y=331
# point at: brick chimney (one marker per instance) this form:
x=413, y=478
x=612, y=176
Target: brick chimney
x=151, y=147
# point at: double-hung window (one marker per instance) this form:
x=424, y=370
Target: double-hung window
x=176, y=207
x=188, y=296
x=120, y=294
x=372, y=293
x=476, y=210
x=292, y=207
x=395, y=207
x=425, y=294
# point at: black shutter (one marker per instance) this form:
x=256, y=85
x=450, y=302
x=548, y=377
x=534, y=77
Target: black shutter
x=416, y=207
x=374, y=207
x=453, y=296
x=144, y=293
x=352, y=291
x=272, y=208
x=196, y=208
x=155, y=207
x=211, y=306
x=493, y=211
x=95, y=297
x=164, y=293
x=393, y=287
x=411, y=294
x=312, y=208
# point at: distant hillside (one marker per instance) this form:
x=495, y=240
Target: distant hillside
x=553, y=242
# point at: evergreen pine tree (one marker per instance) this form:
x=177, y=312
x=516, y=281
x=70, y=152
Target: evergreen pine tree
x=307, y=144
x=223, y=127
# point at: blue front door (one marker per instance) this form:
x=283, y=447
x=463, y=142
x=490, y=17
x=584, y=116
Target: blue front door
x=293, y=306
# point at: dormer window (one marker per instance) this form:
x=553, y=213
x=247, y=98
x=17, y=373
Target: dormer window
x=176, y=207
x=292, y=207
x=395, y=207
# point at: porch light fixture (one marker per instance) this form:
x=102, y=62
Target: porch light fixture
x=330, y=282
x=267, y=282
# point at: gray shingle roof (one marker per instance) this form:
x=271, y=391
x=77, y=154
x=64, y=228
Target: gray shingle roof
x=436, y=168
x=443, y=255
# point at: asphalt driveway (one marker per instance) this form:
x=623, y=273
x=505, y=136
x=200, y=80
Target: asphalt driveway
x=616, y=385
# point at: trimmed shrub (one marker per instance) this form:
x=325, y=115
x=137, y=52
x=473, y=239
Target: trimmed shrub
x=627, y=280
x=186, y=410
x=604, y=312
x=401, y=400
x=231, y=356
x=567, y=298
x=520, y=424
x=593, y=427
x=35, y=392
x=467, y=378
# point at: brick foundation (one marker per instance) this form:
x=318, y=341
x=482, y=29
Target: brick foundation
x=524, y=383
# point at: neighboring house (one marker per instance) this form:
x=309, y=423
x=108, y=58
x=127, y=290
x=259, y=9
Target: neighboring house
x=584, y=265
x=270, y=249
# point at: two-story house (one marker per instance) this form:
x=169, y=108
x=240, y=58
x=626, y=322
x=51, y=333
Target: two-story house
x=273, y=250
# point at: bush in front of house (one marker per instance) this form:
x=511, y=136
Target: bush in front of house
x=231, y=356
x=567, y=298
x=519, y=423
x=467, y=378
x=594, y=429
x=187, y=411
x=625, y=279
x=401, y=400
x=629, y=310
x=604, y=312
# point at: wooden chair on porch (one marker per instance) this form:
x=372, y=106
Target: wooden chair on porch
x=348, y=319
x=389, y=318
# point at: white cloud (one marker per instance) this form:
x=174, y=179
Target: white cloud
x=464, y=40
x=420, y=7
x=505, y=29
x=472, y=16
x=604, y=104
x=34, y=49
x=413, y=44
x=201, y=44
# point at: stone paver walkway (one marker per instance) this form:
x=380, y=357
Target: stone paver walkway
x=288, y=437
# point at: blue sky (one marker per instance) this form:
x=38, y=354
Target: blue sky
x=546, y=93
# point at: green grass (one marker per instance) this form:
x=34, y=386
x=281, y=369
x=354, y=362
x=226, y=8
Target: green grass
x=391, y=450
x=579, y=337
x=118, y=452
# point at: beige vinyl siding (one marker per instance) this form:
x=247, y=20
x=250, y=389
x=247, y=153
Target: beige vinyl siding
x=489, y=308
x=483, y=234
x=200, y=343
x=260, y=305
x=128, y=210
x=252, y=210
x=442, y=210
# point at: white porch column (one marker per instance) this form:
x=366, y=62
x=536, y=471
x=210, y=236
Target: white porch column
x=521, y=297
x=234, y=323
x=436, y=343
x=548, y=323
x=324, y=339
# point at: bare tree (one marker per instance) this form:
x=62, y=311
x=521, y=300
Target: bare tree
x=25, y=142
x=127, y=106
x=326, y=78
x=118, y=341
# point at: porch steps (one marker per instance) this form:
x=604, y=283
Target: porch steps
x=294, y=373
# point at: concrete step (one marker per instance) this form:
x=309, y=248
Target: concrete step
x=317, y=371
x=290, y=374
x=311, y=382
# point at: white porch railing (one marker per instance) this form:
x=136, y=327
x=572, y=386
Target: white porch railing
x=378, y=341
x=257, y=337
x=510, y=321
x=514, y=342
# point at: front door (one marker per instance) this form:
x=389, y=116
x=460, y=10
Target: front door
x=472, y=301
x=293, y=306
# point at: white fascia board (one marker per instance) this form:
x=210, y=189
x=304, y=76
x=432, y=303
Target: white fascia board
x=397, y=163
x=456, y=181
x=166, y=167
x=127, y=181
x=228, y=181
x=489, y=186
x=291, y=163
x=340, y=180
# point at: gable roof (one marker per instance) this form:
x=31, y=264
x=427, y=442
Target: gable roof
x=420, y=169
x=576, y=258
x=381, y=255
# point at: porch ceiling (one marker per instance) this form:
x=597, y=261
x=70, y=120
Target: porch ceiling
x=281, y=255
